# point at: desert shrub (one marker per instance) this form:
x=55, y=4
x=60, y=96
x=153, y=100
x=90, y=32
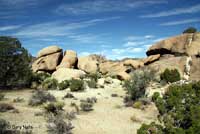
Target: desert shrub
x=150, y=129
x=40, y=77
x=54, y=107
x=76, y=85
x=94, y=76
x=85, y=106
x=170, y=75
x=40, y=97
x=2, y=96
x=136, y=86
x=92, y=83
x=155, y=96
x=179, y=109
x=71, y=115
x=137, y=105
x=190, y=30
x=4, y=107
x=50, y=84
x=135, y=119
x=57, y=125
x=63, y=85
x=68, y=95
x=18, y=100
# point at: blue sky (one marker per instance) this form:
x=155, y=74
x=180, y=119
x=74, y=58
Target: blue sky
x=114, y=28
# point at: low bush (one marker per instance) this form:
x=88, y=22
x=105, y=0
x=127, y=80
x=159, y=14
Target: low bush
x=50, y=84
x=92, y=83
x=190, y=30
x=63, y=85
x=85, y=106
x=137, y=105
x=170, y=75
x=40, y=97
x=152, y=128
x=57, y=125
x=71, y=115
x=76, y=85
x=136, y=86
x=68, y=95
x=2, y=96
x=4, y=107
x=179, y=109
x=18, y=100
x=155, y=96
x=38, y=78
x=54, y=107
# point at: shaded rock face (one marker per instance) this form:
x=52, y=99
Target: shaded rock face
x=47, y=60
x=69, y=60
x=185, y=44
x=88, y=64
x=66, y=74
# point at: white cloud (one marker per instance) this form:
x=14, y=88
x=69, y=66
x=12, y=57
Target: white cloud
x=11, y=27
x=84, y=53
x=176, y=11
x=135, y=50
x=187, y=21
x=135, y=38
x=98, y=6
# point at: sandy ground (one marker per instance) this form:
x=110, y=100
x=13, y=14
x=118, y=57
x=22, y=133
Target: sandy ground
x=108, y=117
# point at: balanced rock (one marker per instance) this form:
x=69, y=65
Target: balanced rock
x=67, y=73
x=48, y=50
x=69, y=60
x=88, y=64
x=134, y=63
x=185, y=44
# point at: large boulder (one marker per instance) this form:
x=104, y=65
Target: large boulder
x=134, y=63
x=88, y=64
x=47, y=63
x=48, y=50
x=69, y=60
x=195, y=69
x=185, y=44
x=66, y=74
x=151, y=59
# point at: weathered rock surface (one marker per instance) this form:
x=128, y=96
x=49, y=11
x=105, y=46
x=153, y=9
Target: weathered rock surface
x=66, y=74
x=151, y=59
x=48, y=50
x=47, y=63
x=88, y=64
x=134, y=63
x=184, y=44
x=69, y=60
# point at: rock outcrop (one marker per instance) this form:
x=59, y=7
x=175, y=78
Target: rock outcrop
x=134, y=63
x=151, y=59
x=66, y=74
x=47, y=59
x=88, y=64
x=185, y=44
x=69, y=60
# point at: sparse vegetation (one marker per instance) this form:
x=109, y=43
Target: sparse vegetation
x=87, y=105
x=92, y=83
x=137, y=105
x=18, y=100
x=170, y=75
x=190, y=30
x=4, y=107
x=71, y=115
x=54, y=107
x=57, y=125
x=63, y=85
x=152, y=128
x=76, y=85
x=68, y=95
x=136, y=86
x=40, y=97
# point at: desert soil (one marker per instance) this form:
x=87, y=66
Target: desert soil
x=109, y=116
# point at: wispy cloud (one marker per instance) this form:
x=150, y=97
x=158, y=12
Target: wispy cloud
x=11, y=27
x=187, y=21
x=176, y=11
x=98, y=6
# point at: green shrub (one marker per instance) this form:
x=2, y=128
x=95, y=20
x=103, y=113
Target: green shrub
x=94, y=76
x=2, y=96
x=92, y=83
x=180, y=110
x=54, y=107
x=155, y=96
x=137, y=105
x=63, y=85
x=170, y=75
x=85, y=106
x=57, y=125
x=151, y=129
x=50, y=84
x=76, y=85
x=190, y=30
x=40, y=97
x=136, y=86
